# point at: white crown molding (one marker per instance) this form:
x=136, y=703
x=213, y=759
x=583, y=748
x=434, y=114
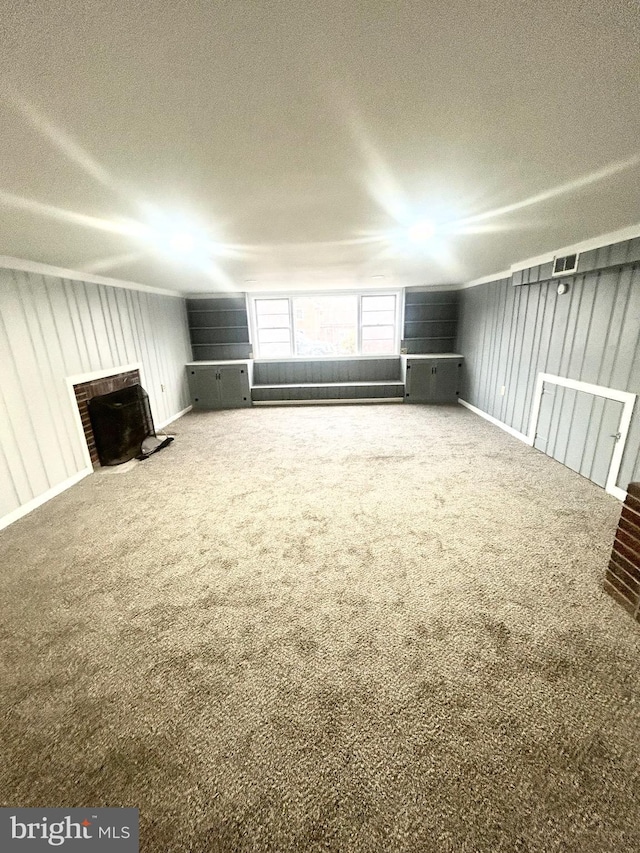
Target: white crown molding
x=22, y=265
x=214, y=294
x=425, y=288
x=629, y=233
x=485, y=279
x=619, y=236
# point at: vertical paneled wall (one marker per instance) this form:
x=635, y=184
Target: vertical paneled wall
x=52, y=328
x=509, y=335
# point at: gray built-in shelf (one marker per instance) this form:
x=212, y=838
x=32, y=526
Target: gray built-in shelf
x=219, y=328
x=354, y=378
x=430, y=321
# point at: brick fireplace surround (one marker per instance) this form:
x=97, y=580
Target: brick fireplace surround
x=622, y=579
x=85, y=391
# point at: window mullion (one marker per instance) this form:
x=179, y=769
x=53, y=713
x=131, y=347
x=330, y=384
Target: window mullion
x=292, y=329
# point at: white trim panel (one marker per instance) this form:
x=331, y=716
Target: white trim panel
x=25, y=509
x=625, y=397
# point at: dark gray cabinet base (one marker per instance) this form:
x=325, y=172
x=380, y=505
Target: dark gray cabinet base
x=432, y=380
x=219, y=385
x=231, y=384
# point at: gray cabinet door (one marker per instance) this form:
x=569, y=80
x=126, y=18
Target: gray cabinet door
x=203, y=387
x=218, y=386
x=233, y=383
x=444, y=383
x=432, y=380
x=419, y=380
x=579, y=430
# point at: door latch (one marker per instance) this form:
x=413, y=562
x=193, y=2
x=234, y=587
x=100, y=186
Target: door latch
x=616, y=435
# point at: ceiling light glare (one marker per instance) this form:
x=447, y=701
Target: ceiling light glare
x=421, y=231
x=175, y=235
x=182, y=242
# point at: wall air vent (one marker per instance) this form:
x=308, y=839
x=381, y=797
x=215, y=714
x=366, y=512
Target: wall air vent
x=564, y=265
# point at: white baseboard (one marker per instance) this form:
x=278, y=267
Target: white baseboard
x=173, y=418
x=496, y=422
x=617, y=492
x=25, y=509
x=341, y=402
x=614, y=490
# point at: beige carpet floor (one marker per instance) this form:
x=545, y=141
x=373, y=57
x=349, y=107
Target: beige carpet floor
x=364, y=628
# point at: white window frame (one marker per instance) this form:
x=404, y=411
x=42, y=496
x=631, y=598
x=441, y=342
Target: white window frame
x=253, y=321
x=253, y=325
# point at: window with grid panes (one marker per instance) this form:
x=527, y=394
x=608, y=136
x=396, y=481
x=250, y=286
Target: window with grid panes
x=326, y=325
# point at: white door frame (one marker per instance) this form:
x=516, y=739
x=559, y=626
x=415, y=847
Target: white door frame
x=625, y=397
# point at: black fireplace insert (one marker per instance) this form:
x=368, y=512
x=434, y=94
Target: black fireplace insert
x=123, y=426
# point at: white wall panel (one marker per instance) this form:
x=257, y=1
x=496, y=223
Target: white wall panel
x=23, y=388
x=17, y=489
x=52, y=328
x=46, y=349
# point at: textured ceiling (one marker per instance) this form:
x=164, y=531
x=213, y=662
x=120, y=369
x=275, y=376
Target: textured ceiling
x=303, y=139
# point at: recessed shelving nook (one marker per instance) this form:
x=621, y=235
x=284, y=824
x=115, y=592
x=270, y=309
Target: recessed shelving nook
x=430, y=321
x=219, y=328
